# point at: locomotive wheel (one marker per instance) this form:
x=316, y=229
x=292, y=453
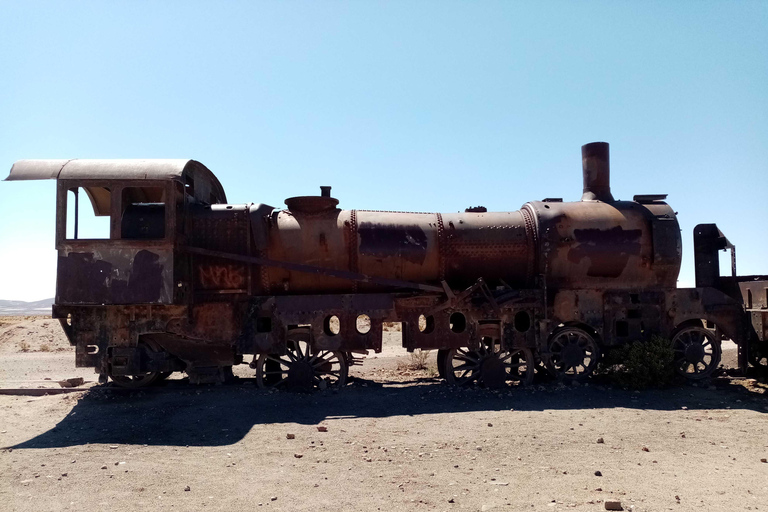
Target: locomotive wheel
x=144, y=379
x=758, y=356
x=697, y=352
x=489, y=366
x=759, y=361
x=441, y=354
x=574, y=354
x=300, y=369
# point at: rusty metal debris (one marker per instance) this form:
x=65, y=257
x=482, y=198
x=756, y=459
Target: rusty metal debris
x=183, y=281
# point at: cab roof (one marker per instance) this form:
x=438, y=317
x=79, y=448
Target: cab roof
x=206, y=186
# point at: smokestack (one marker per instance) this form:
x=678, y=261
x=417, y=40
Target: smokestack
x=325, y=191
x=596, y=166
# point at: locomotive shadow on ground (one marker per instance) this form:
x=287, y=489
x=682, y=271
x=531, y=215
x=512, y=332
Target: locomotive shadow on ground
x=181, y=415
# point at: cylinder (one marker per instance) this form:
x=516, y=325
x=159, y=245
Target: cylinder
x=595, y=161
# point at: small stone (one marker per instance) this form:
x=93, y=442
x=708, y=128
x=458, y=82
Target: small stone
x=273, y=498
x=600, y=440
x=764, y=461
x=298, y=455
x=113, y=447
x=598, y=473
x=645, y=449
x=187, y=488
x=322, y=428
x=64, y=474
x=479, y=448
x=290, y=436
x=451, y=500
x=103, y=467
x=490, y=424
x=613, y=505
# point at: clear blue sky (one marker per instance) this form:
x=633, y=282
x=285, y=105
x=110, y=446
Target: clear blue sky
x=427, y=106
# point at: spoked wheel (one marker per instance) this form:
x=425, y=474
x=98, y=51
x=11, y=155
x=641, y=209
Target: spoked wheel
x=489, y=365
x=758, y=358
x=697, y=352
x=300, y=369
x=441, y=355
x=574, y=354
x=144, y=379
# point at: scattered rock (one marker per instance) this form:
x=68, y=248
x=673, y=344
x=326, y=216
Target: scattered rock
x=290, y=436
x=64, y=474
x=113, y=447
x=298, y=455
x=490, y=424
x=451, y=500
x=322, y=428
x=600, y=440
x=273, y=498
x=187, y=488
x=613, y=505
x=645, y=449
x=764, y=460
x=598, y=473
x=71, y=383
x=103, y=467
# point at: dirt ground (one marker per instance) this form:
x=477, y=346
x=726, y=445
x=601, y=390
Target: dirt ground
x=396, y=439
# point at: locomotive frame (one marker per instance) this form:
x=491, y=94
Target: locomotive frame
x=187, y=282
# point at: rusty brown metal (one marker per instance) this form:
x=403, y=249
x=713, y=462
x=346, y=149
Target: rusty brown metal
x=206, y=185
x=595, y=160
x=188, y=283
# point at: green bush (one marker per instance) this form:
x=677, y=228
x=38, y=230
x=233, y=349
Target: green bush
x=640, y=364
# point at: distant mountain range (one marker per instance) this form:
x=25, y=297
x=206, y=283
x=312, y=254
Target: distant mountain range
x=19, y=307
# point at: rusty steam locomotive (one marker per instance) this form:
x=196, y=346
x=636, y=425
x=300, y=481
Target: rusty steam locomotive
x=186, y=282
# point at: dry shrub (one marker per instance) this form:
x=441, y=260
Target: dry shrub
x=640, y=364
x=24, y=346
x=45, y=347
x=392, y=327
x=417, y=361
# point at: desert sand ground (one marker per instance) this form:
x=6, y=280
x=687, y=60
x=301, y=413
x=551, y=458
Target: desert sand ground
x=396, y=439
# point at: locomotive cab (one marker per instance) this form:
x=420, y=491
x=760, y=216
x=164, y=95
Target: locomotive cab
x=124, y=252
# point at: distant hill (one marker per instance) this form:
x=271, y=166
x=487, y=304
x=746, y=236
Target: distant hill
x=19, y=307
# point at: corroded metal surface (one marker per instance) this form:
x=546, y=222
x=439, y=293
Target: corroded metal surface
x=185, y=282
